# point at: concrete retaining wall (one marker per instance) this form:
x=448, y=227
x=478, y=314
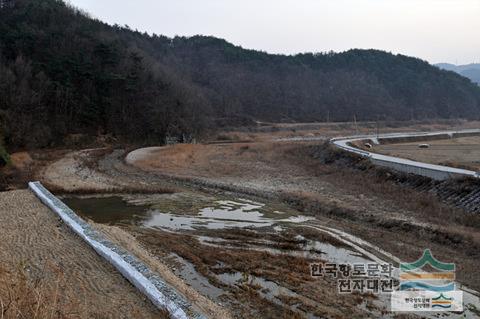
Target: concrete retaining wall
x=151, y=285
x=436, y=172
x=438, y=175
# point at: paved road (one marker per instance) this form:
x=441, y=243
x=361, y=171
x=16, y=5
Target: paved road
x=420, y=168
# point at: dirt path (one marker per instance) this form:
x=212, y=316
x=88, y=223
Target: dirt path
x=70, y=173
x=53, y=273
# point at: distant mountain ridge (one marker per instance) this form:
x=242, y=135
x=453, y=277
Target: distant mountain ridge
x=471, y=71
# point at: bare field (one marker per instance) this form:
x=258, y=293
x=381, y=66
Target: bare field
x=276, y=131
x=48, y=272
x=461, y=152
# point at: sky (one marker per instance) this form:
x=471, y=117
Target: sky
x=434, y=30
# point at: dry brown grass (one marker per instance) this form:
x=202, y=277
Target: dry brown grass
x=44, y=295
x=215, y=160
x=92, y=190
x=21, y=160
x=11, y=178
x=228, y=137
x=461, y=152
x=268, y=131
x=190, y=159
x=179, y=155
x=43, y=298
x=325, y=184
x=127, y=241
x=24, y=167
x=288, y=271
x=353, y=172
x=261, y=264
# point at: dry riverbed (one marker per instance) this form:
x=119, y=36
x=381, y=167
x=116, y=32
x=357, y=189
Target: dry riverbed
x=250, y=258
x=240, y=223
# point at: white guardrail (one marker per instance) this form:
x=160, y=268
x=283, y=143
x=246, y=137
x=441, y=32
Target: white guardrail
x=437, y=172
x=151, y=285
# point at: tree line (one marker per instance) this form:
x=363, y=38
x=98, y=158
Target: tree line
x=62, y=72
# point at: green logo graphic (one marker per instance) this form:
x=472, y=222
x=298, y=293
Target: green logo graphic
x=427, y=258
x=441, y=297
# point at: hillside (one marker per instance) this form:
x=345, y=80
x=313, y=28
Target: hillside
x=62, y=72
x=471, y=71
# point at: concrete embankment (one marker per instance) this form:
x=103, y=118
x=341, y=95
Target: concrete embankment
x=151, y=285
x=436, y=172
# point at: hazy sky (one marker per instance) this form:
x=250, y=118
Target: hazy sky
x=435, y=30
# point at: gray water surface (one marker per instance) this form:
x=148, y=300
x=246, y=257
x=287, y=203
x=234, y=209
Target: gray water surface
x=216, y=214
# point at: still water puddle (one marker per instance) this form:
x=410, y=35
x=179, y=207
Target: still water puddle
x=218, y=214
x=187, y=272
x=106, y=210
x=172, y=212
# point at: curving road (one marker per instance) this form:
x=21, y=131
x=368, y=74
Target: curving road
x=437, y=172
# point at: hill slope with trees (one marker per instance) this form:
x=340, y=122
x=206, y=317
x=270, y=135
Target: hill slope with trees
x=62, y=72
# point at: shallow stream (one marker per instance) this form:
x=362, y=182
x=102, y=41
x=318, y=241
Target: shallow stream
x=192, y=213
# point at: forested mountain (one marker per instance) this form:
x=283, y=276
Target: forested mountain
x=471, y=71
x=62, y=73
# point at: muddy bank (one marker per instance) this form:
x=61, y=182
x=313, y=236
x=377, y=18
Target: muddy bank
x=382, y=211
x=78, y=172
x=249, y=257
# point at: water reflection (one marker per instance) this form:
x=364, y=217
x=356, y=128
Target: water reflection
x=218, y=214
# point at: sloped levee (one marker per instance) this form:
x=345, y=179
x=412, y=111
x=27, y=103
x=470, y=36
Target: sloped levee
x=436, y=172
x=151, y=285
